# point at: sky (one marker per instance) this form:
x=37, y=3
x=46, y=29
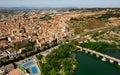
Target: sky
x=60, y=3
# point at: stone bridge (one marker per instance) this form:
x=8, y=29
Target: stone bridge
x=98, y=54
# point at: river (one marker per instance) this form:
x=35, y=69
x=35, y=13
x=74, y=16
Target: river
x=91, y=65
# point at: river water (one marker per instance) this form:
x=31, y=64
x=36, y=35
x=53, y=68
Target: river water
x=115, y=54
x=91, y=65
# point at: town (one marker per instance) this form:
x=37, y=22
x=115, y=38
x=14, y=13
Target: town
x=28, y=33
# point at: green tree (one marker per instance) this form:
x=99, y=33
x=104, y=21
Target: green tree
x=53, y=72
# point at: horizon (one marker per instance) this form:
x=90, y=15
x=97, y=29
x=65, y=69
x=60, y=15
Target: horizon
x=61, y=4
x=57, y=7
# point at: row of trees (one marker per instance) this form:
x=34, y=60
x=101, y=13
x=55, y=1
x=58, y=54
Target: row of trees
x=98, y=46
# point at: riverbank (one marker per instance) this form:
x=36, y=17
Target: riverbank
x=100, y=46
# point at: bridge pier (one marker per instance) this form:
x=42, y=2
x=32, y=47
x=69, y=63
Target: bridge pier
x=86, y=51
x=111, y=61
x=97, y=55
x=81, y=50
x=91, y=53
x=118, y=63
x=103, y=59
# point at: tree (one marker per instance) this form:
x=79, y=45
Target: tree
x=53, y=72
x=40, y=56
x=59, y=61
